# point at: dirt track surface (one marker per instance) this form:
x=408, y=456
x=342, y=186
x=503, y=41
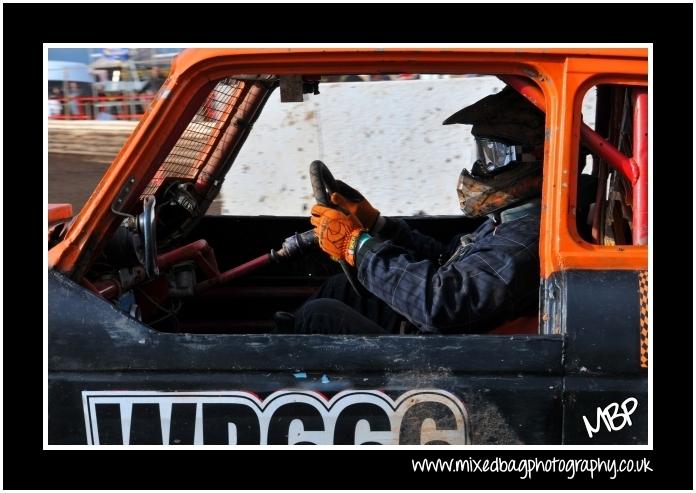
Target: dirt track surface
x=73, y=177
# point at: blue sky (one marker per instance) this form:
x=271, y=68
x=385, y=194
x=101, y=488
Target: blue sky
x=82, y=54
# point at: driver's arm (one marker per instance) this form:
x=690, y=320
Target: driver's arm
x=491, y=282
x=396, y=230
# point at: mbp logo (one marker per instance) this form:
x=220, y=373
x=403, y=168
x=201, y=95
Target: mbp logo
x=417, y=417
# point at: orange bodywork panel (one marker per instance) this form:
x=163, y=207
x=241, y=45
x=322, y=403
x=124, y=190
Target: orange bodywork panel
x=563, y=75
x=58, y=213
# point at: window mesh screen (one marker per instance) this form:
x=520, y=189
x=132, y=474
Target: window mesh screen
x=192, y=151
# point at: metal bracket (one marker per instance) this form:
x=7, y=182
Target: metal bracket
x=122, y=196
x=291, y=89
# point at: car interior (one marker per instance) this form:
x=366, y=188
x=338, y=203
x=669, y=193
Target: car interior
x=179, y=270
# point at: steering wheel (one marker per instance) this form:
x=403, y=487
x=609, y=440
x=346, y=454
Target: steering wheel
x=323, y=185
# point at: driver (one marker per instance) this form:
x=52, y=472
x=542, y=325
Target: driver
x=415, y=284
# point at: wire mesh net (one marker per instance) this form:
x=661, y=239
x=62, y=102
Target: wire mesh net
x=194, y=148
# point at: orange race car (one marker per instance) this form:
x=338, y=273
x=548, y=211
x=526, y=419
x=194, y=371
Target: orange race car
x=161, y=318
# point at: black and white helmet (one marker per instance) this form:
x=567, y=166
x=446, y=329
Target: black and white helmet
x=509, y=142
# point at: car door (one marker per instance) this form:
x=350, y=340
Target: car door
x=113, y=380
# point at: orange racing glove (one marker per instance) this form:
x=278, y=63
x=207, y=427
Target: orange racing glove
x=337, y=232
x=354, y=202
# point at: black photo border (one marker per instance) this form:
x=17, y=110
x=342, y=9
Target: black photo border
x=27, y=26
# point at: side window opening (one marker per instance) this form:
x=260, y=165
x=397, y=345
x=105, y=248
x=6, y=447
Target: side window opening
x=605, y=208
x=385, y=132
x=417, y=167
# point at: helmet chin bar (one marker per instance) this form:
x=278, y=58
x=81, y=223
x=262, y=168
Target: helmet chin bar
x=483, y=195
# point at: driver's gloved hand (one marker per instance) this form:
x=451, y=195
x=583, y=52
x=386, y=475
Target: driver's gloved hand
x=353, y=201
x=337, y=232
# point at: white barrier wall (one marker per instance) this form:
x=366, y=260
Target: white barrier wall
x=384, y=138
x=95, y=140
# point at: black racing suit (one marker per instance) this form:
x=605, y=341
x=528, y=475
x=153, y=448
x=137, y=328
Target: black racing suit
x=488, y=276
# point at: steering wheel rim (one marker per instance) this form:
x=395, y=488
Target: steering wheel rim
x=323, y=183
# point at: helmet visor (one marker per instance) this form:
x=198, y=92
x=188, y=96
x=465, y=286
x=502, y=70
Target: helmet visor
x=493, y=155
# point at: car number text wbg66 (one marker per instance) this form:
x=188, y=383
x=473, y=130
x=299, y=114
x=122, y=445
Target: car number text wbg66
x=417, y=417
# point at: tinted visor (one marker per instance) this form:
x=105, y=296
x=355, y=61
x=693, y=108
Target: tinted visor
x=492, y=156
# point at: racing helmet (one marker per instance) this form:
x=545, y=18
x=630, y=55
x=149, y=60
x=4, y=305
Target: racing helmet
x=509, y=133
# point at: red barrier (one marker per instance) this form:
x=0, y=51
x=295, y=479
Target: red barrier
x=640, y=156
x=112, y=107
